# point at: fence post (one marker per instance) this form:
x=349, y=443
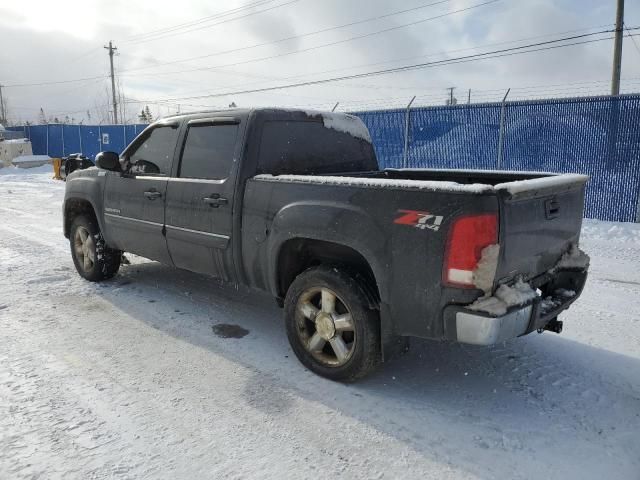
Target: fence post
x=80, y=138
x=501, y=135
x=62, y=139
x=405, y=152
x=48, y=139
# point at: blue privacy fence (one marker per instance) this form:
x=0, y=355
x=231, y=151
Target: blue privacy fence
x=597, y=136
x=58, y=140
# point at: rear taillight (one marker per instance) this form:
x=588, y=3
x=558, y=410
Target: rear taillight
x=468, y=236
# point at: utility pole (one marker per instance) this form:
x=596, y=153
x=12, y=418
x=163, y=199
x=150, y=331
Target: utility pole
x=112, y=49
x=3, y=114
x=617, y=49
x=451, y=89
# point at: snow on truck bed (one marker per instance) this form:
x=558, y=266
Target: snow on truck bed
x=513, y=188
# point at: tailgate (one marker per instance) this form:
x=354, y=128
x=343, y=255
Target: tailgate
x=539, y=220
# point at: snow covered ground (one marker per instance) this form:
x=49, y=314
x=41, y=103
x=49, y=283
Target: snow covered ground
x=127, y=379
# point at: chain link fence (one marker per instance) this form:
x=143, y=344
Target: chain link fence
x=597, y=136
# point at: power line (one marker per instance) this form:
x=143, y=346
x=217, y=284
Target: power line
x=486, y=95
x=495, y=44
x=294, y=37
x=57, y=82
x=197, y=21
x=386, y=61
x=158, y=37
x=631, y=37
x=548, y=45
x=338, y=42
x=101, y=77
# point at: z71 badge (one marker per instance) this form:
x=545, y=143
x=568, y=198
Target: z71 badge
x=418, y=219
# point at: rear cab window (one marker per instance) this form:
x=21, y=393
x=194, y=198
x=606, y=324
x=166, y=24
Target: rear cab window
x=307, y=147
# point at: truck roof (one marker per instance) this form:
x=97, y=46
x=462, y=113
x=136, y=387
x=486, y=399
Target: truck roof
x=342, y=122
x=246, y=111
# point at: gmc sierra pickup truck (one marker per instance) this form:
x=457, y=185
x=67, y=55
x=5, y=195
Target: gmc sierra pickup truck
x=293, y=203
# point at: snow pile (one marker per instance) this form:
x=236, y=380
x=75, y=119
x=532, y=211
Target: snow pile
x=15, y=171
x=521, y=292
x=430, y=185
x=504, y=298
x=347, y=124
x=342, y=122
x=600, y=231
x=31, y=159
x=574, y=258
x=558, y=298
x=485, y=272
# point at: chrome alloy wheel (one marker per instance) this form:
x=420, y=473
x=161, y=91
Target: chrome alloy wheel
x=85, y=248
x=325, y=326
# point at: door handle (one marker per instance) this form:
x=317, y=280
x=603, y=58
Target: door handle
x=215, y=200
x=152, y=194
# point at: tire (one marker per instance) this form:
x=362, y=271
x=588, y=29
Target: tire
x=337, y=339
x=92, y=258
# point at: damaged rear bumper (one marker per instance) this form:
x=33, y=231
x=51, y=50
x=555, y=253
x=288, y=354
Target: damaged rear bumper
x=479, y=328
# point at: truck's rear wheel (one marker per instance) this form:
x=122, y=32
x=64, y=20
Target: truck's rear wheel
x=91, y=256
x=330, y=326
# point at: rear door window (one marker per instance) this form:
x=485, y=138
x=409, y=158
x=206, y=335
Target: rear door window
x=208, y=151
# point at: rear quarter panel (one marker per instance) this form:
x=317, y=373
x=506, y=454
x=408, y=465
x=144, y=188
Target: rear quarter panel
x=405, y=258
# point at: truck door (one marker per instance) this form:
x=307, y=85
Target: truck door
x=200, y=198
x=134, y=201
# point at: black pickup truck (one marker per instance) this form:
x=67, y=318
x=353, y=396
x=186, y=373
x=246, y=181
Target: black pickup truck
x=293, y=202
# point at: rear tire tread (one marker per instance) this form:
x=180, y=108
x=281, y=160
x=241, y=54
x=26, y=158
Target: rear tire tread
x=367, y=355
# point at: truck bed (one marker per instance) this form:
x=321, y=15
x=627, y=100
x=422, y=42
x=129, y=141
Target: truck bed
x=539, y=219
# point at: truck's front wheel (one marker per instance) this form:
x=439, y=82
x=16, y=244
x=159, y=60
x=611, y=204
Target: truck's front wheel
x=91, y=256
x=330, y=326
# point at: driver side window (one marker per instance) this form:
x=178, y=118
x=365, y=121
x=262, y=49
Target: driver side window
x=155, y=154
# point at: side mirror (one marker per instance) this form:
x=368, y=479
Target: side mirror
x=108, y=161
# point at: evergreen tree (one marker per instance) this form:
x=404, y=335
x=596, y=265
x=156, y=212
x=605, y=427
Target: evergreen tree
x=145, y=115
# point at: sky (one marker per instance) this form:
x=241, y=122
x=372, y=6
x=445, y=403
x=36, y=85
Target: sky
x=193, y=55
